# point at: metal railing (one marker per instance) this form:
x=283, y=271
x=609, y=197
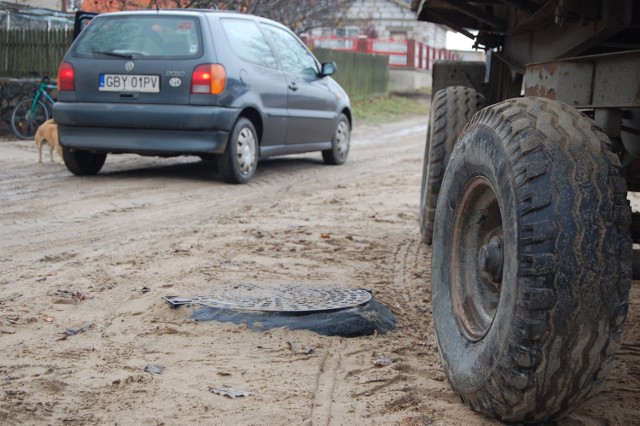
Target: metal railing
x=401, y=53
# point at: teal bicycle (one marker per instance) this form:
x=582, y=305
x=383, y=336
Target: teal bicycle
x=31, y=112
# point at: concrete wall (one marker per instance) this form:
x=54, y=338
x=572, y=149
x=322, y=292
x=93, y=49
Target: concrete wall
x=471, y=55
x=408, y=80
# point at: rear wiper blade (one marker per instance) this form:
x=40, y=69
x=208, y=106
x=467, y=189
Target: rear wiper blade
x=116, y=54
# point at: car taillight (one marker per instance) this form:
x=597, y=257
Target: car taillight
x=208, y=78
x=65, y=77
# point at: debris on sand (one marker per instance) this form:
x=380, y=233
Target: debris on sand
x=154, y=368
x=382, y=361
x=229, y=393
x=72, y=331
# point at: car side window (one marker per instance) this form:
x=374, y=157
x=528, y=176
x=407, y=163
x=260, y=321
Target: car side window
x=294, y=56
x=248, y=42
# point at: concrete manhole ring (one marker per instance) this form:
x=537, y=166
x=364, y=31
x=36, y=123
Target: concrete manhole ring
x=250, y=297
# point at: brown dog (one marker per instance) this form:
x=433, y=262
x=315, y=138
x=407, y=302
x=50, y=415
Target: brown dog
x=48, y=132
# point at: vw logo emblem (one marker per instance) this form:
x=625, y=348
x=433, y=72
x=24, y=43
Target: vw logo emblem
x=129, y=66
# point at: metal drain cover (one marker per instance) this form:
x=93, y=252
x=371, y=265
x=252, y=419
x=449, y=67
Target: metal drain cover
x=251, y=297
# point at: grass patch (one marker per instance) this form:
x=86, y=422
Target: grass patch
x=386, y=109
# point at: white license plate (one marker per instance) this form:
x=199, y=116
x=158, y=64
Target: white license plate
x=129, y=83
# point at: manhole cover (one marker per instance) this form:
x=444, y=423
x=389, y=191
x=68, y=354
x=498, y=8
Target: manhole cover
x=269, y=299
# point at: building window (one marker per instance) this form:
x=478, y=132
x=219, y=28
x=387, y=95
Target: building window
x=348, y=32
x=398, y=35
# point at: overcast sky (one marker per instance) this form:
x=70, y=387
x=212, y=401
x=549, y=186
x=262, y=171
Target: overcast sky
x=456, y=41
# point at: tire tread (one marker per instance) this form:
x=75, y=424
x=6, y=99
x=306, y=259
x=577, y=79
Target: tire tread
x=451, y=109
x=560, y=348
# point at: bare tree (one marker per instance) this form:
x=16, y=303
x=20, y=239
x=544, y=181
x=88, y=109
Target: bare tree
x=303, y=15
x=299, y=15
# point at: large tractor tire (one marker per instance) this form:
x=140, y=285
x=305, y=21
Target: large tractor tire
x=451, y=110
x=531, y=263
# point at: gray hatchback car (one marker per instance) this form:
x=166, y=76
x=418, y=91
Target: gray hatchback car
x=190, y=82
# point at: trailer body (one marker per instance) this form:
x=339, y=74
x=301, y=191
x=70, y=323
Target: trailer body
x=528, y=161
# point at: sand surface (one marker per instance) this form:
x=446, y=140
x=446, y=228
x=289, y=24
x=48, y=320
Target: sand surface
x=85, y=262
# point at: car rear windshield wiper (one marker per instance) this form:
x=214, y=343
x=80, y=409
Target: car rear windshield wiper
x=116, y=54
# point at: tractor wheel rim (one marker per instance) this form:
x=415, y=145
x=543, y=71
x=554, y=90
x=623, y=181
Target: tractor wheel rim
x=477, y=259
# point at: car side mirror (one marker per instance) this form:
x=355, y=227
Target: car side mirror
x=328, y=68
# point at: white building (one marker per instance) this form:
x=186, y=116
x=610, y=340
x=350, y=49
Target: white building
x=59, y=5
x=386, y=19
x=41, y=14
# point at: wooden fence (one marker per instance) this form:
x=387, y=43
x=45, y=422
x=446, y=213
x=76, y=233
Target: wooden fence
x=22, y=51
x=360, y=74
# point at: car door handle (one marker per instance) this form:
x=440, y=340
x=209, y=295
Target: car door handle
x=293, y=86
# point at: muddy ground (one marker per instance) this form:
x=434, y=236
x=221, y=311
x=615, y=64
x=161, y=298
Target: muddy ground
x=94, y=256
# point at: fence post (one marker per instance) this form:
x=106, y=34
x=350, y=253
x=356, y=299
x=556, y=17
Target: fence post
x=362, y=44
x=411, y=53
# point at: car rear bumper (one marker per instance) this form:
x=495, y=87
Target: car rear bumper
x=144, y=129
x=143, y=141
x=145, y=116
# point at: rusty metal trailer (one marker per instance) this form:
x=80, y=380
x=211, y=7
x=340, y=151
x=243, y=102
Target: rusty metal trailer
x=528, y=161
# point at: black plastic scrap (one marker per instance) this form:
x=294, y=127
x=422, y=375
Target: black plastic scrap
x=362, y=320
x=72, y=331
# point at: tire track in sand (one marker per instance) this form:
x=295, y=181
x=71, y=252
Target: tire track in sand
x=322, y=409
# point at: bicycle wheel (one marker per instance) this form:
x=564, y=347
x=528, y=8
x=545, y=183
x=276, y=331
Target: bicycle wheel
x=27, y=117
x=49, y=106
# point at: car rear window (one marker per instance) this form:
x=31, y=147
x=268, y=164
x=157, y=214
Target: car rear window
x=140, y=37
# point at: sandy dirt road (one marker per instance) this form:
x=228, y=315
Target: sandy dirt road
x=75, y=253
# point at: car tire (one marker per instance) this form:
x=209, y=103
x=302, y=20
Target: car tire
x=340, y=144
x=531, y=261
x=83, y=163
x=240, y=159
x=451, y=110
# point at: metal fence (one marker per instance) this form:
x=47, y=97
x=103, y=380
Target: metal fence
x=402, y=53
x=22, y=51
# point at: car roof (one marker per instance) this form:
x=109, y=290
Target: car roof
x=171, y=11
x=191, y=12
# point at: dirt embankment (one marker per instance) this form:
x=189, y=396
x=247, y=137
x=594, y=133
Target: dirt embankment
x=85, y=262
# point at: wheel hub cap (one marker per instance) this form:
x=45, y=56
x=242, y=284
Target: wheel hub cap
x=246, y=150
x=342, y=138
x=490, y=258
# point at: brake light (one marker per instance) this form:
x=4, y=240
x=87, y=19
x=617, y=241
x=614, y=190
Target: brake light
x=66, y=77
x=209, y=78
